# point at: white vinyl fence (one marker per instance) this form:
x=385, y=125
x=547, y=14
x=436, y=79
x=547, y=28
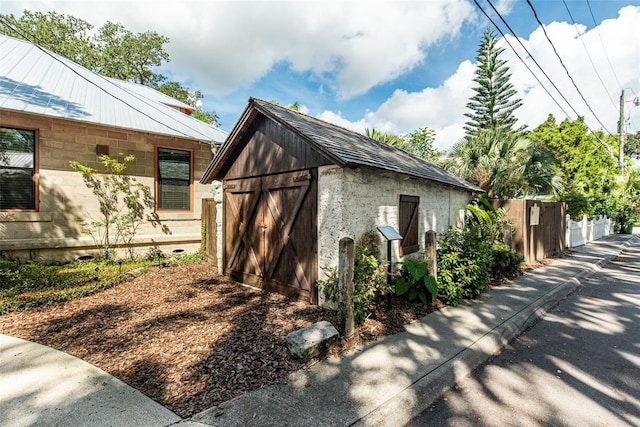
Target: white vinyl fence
x=582, y=232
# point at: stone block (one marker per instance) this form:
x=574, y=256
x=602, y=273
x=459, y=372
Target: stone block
x=313, y=340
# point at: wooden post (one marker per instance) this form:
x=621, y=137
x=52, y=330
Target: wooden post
x=508, y=235
x=346, y=259
x=208, y=216
x=430, y=246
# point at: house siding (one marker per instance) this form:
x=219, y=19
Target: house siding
x=55, y=231
x=354, y=201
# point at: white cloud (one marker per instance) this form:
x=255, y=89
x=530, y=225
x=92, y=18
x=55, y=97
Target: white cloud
x=442, y=108
x=504, y=6
x=350, y=46
x=438, y=108
x=598, y=85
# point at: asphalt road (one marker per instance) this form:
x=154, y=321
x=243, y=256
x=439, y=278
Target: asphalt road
x=579, y=366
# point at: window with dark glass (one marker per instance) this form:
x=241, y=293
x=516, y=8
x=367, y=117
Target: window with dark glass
x=408, y=224
x=17, y=169
x=174, y=179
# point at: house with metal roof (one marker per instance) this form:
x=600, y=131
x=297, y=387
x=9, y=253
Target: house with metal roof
x=54, y=111
x=291, y=186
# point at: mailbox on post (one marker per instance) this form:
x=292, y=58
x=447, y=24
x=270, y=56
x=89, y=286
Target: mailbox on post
x=390, y=234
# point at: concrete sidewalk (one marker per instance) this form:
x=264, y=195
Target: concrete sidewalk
x=385, y=383
x=391, y=381
x=40, y=386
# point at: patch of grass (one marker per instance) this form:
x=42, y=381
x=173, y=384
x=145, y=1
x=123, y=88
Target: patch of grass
x=24, y=286
x=199, y=256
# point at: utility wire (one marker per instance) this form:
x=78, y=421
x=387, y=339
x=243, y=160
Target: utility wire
x=602, y=43
x=530, y=56
x=588, y=55
x=535, y=14
x=37, y=43
x=605, y=146
x=523, y=61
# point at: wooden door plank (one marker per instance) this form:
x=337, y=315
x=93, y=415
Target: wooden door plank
x=285, y=226
x=253, y=189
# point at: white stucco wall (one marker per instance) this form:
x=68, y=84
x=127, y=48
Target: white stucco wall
x=217, y=190
x=354, y=201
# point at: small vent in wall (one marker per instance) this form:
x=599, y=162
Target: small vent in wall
x=102, y=149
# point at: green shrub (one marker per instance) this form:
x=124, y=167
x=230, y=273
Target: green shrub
x=369, y=282
x=464, y=264
x=467, y=262
x=414, y=282
x=616, y=209
x=505, y=261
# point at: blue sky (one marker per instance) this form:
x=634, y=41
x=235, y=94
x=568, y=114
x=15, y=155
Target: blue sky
x=390, y=65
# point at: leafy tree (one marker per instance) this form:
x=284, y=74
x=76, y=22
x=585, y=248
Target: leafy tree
x=112, y=51
x=632, y=145
x=420, y=142
x=494, y=101
x=206, y=116
x=589, y=164
x=585, y=159
x=181, y=93
x=128, y=56
x=295, y=106
x=63, y=34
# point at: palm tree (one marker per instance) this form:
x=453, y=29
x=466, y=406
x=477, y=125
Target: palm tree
x=503, y=164
x=386, y=137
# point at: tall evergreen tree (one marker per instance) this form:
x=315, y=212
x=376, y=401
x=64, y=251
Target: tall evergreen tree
x=494, y=101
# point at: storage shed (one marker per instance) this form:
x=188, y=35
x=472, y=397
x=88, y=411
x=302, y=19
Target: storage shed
x=293, y=186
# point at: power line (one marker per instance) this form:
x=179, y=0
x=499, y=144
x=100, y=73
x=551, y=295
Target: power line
x=530, y=56
x=605, y=146
x=535, y=14
x=604, y=49
x=36, y=42
x=587, y=52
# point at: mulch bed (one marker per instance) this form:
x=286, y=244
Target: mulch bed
x=189, y=338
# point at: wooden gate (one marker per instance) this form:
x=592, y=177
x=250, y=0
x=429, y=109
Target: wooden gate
x=270, y=232
x=536, y=241
x=209, y=228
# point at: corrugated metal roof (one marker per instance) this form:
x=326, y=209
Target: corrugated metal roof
x=151, y=93
x=35, y=80
x=344, y=147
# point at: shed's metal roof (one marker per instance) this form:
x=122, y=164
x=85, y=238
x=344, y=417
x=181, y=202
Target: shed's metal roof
x=37, y=81
x=342, y=146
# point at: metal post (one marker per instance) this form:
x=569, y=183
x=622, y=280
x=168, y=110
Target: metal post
x=621, y=134
x=390, y=234
x=389, y=281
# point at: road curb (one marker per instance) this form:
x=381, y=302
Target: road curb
x=404, y=406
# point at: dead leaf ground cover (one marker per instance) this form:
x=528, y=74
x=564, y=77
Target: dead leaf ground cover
x=187, y=337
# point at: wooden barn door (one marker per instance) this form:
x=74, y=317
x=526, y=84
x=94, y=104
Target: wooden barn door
x=270, y=233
